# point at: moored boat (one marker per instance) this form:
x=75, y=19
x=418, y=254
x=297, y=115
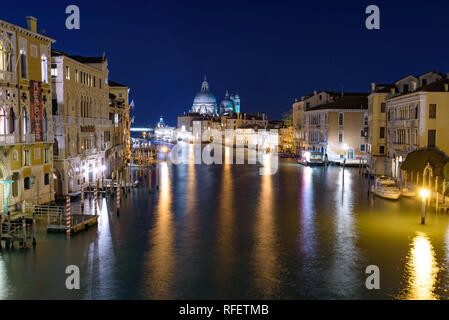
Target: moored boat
x=386, y=188
x=311, y=159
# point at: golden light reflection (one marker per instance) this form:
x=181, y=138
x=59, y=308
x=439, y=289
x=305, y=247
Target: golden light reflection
x=226, y=225
x=265, y=254
x=160, y=260
x=421, y=270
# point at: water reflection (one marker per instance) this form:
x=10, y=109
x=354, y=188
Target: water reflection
x=226, y=228
x=4, y=283
x=421, y=270
x=160, y=260
x=265, y=256
x=343, y=273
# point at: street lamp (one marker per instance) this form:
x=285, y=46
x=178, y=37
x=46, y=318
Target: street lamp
x=424, y=193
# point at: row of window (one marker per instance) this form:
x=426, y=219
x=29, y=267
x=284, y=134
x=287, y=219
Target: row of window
x=80, y=76
x=27, y=181
x=407, y=113
x=37, y=155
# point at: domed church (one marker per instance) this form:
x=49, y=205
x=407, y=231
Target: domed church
x=230, y=104
x=206, y=104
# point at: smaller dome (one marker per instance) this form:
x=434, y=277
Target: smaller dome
x=227, y=105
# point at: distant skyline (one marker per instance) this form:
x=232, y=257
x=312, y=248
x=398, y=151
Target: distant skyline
x=269, y=52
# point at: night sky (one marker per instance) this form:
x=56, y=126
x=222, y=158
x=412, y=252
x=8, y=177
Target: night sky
x=268, y=51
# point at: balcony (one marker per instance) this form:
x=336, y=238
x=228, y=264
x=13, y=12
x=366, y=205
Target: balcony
x=7, y=76
x=8, y=139
x=31, y=138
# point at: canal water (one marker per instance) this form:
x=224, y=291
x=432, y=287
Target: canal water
x=226, y=232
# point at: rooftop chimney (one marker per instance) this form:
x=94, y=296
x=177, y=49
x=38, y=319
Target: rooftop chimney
x=314, y=93
x=413, y=86
x=393, y=91
x=32, y=23
x=373, y=87
x=446, y=87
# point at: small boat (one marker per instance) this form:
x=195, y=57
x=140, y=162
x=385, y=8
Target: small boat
x=408, y=192
x=386, y=188
x=312, y=159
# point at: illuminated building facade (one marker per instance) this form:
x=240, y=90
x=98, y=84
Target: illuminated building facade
x=81, y=119
x=118, y=135
x=26, y=130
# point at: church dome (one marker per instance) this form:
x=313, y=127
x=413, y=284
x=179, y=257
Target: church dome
x=227, y=105
x=204, y=97
x=204, y=102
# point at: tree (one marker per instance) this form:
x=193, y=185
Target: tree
x=287, y=117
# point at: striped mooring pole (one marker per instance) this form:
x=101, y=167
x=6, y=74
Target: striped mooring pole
x=82, y=198
x=95, y=200
x=68, y=220
x=118, y=199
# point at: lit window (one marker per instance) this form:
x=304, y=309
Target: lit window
x=23, y=64
x=54, y=71
x=27, y=158
x=67, y=72
x=46, y=155
x=44, y=69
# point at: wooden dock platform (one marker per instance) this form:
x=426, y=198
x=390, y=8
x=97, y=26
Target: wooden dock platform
x=79, y=223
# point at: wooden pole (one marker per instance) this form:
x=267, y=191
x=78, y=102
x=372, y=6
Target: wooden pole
x=68, y=220
x=95, y=200
x=24, y=227
x=436, y=194
x=118, y=199
x=34, y=231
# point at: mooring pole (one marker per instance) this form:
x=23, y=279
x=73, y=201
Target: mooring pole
x=24, y=227
x=118, y=199
x=68, y=221
x=34, y=231
x=95, y=200
x=423, y=212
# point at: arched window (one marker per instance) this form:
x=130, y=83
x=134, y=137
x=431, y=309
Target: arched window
x=12, y=121
x=56, y=148
x=5, y=55
x=45, y=122
x=23, y=64
x=3, y=121
x=26, y=126
x=44, y=68
x=26, y=183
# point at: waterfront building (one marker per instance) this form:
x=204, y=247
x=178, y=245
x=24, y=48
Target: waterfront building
x=26, y=130
x=298, y=124
x=391, y=136
x=81, y=120
x=417, y=117
x=335, y=125
x=117, y=138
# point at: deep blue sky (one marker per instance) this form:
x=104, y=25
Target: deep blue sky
x=268, y=51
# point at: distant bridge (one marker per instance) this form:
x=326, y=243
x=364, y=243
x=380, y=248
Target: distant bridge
x=141, y=129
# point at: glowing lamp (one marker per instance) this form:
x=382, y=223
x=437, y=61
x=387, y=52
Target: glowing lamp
x=424, y=194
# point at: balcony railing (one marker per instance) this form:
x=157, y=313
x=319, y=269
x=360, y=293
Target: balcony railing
x=8, y=139
x=7, y=76
x=31, y=138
